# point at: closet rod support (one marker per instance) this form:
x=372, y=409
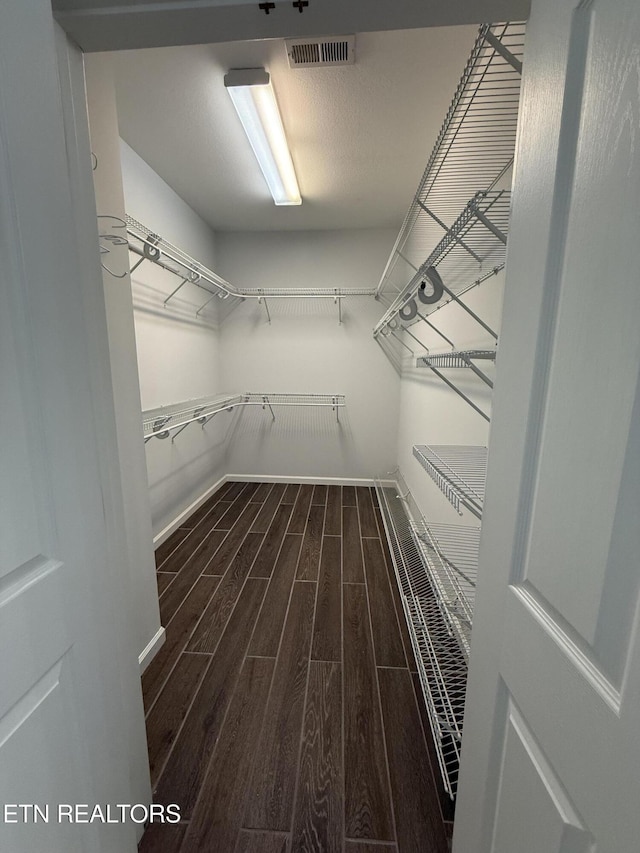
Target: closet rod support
x=504, y=51
x=402, y=342
x=176, y=434
x=460, y=393
x=265, y=402
x=442, y=225
x=479, y=373
x=173, y=293
x=202, y=307
x=407, y=261
x=136, y=265
x=435, y=329
x=204, y=421
x=417, y=340
x=466, y=308
x=266, y=308
x=490, y=226
x=197, y=416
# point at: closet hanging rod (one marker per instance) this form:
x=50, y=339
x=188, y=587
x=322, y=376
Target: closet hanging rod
x=152, y=247
x=162, y=421
x=480, y=280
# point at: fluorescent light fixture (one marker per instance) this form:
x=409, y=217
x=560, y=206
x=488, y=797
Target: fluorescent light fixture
x=255, y=102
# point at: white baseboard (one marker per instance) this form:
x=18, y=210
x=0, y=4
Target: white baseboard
x=166, y=532
x=151, y=649
x=259, y=478
x=314, y=481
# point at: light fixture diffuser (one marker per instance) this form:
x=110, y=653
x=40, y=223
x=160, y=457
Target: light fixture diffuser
x=255, y=102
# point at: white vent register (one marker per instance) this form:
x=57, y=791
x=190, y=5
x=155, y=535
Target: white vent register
x=316, y=52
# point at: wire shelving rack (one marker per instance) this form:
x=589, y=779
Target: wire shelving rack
x=450, y=555
x=473, y=152
x=151, y=247
x=479, y=234
x=433, y=606
x=459, y=471
x=456, y=358
x=164, y=421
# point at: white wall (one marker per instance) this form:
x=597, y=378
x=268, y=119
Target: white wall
x=431, y=412
x=305, y=350
x=178, y=353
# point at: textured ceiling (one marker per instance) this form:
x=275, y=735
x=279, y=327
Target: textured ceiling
x=359, y=135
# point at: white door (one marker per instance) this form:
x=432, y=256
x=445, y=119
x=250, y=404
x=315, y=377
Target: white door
x=64, y=731
x=551, y=751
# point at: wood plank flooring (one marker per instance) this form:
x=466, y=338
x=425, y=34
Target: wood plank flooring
x=281, y=711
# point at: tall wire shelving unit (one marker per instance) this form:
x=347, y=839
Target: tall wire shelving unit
x=453, y=239
x=436, y=570
x=436, y=567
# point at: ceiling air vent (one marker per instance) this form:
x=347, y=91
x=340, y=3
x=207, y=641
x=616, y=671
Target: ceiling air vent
x=315, y=52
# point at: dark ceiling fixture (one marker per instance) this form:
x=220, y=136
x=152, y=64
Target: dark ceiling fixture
x=300, y=5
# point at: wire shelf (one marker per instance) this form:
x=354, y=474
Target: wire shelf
x=152, y=247
x=459, y=471
x=458, y=358
x=441, y=664
x=473, y=151
x=332, y=400
x=479, y=234
x=450, y=555
x=162, y=421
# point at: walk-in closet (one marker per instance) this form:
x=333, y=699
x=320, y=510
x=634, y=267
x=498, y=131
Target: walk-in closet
x=316, y=397
x=337, y=553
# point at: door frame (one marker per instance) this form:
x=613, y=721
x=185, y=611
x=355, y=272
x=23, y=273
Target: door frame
x=73, y=100
x=76, y=126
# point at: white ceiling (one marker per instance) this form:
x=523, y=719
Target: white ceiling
x=359, y=135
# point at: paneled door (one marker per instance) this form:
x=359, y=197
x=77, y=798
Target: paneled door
x=551, y=751
x=63, y=725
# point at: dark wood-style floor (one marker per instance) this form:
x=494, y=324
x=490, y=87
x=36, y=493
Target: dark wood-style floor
x=281, y=711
